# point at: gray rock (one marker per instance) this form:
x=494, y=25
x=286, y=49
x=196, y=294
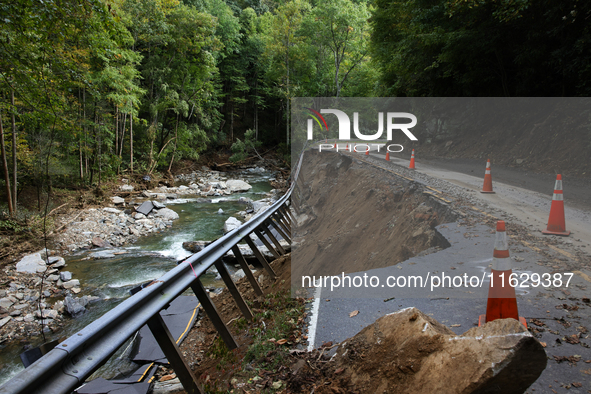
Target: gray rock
x=65, y=276
x=145, y=208
x=5, y=320
x=71, y=283
x=139, y=216
x=57, y=262
x=5, y=303
x=103, y=254
x=111, y=210
x=31, y=264
x=220, y=211
x=73, y=306
x=238, y=186
x=126, y=188
x=259, y=206
x=52, y=278
x=100, y=243
x=117, y=200
x=194, y=246
x=167, y=214
x=147, y=194
x=231, y=224
x=158, y=205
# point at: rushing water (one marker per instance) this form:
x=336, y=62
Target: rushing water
x=149, y=258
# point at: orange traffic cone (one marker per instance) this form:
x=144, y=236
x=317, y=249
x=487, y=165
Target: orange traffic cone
x=501, y=303
x=487, y=186
x=367, y=151
x=347, y=148
x=335, y=144
x=412, y=160
x=556, y=222
x=387, y=156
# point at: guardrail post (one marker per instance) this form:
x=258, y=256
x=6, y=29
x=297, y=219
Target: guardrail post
x=267, y=244
x=269, y=233
x=247, y=271
x=260, y=256
x=213, y=314
x=270, y=223
x=173, y=354
x=233, y=289
x=288, y=214
x=281, y=221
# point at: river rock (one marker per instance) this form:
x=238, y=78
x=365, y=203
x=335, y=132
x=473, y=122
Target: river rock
x=111, y=210
x=57, y=262
x=126, y=188
x=158, y=205
x=145, y=208
x=65, y=276
x=103, y=254
x=231, y=224
x=220, y=211
x=5, y=303
x=259, y=206
x=117, y=200
x=237, y=186
x=424, y=356
x=31, y=264
x=194, y=246
x=100, y=243
x=71, y=283
x=74, y=306
x=5, y=320
x=167, y=214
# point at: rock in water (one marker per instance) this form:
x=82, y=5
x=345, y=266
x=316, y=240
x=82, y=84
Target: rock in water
x=194, y=246
x=100, y=243
x=238, y=186
x=220, y=211
x=167, y=214
x=231, y=224
x=409, y=352
x=73, y=306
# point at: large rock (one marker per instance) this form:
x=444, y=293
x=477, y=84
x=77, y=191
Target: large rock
x=100, y=243
x=194, y=246
x=409, y=352
x=236, y=185
x=74, y=306
x=166, y=214
x=31, y=264
x=231, y=224
x=145, y=208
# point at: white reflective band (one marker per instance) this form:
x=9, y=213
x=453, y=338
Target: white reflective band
x=558, y=185
x=487, y=172
x=501, y=264
x=501, y=241
x=557, y=197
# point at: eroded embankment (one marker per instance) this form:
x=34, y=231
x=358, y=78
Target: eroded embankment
x=354, y=217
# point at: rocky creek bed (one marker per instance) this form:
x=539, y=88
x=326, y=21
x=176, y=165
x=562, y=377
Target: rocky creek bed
x=39, y=293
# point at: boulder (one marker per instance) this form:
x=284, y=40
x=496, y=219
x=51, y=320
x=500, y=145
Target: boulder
x=194, y=246
x=74, y=306
x=100, y=243
x=422, y=355
x=31, y=264
x=126, y=188
x=167, y=214
x=57, y=262
x=71, y=284
x=65, y=276
x=259, y=206
x=5, y=303
x=231, y=224
x=117, y=200
x=145, y=208
x=158, y=205
x=237, y=186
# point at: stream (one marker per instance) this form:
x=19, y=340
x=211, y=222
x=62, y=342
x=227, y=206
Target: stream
x=149, y=258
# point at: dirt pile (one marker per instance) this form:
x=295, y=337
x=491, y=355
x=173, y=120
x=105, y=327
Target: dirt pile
x=349, y=221
x=409, y=352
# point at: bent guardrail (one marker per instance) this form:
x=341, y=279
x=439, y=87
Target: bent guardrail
x=72, y=361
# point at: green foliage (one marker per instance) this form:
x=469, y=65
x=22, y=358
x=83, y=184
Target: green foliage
x=241, y=149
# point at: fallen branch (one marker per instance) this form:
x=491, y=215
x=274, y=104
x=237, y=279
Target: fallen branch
x=55, y=209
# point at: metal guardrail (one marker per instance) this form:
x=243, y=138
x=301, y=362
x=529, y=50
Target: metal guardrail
x=72, y=361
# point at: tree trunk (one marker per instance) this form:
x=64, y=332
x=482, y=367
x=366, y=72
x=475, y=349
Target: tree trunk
x=116, y=129
x=131, y=141
x=5, y=166
x=176, y=128
x=14, y=163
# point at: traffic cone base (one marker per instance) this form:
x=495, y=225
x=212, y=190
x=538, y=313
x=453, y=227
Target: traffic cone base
x=482, y=320
x=562, y=233
x=501, y=302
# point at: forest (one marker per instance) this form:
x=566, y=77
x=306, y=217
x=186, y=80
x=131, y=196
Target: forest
x=94, y=89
